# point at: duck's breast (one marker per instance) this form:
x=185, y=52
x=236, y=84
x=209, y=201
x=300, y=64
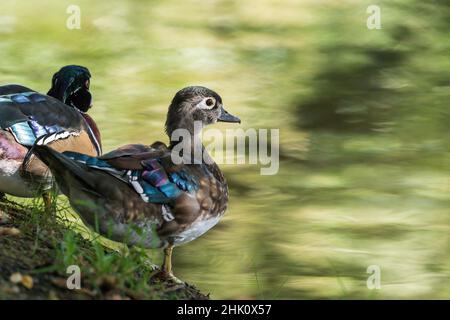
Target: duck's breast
x=200, y=209
x=12, y=155
x=196, y=229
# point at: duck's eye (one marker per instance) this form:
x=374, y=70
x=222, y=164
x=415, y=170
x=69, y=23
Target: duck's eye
x=209, y=102
x=87, y=84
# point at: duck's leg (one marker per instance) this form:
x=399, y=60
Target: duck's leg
x=48, y=201
x=167, y=262
x=166, y=269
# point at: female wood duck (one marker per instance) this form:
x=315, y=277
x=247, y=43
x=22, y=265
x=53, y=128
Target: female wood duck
x=137, y=195
x=60, y=116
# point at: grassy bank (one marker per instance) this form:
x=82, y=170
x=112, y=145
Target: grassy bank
x=37, y=248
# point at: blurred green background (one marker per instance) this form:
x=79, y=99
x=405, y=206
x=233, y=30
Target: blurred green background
x=363, y=116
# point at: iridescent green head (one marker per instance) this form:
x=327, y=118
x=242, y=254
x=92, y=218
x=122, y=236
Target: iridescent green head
x=71, y=86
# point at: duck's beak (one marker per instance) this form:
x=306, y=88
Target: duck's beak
x=227, y=117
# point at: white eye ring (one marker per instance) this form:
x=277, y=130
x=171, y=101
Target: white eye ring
x=207, y=103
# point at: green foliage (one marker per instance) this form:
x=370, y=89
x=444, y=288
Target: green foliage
x=59, y=242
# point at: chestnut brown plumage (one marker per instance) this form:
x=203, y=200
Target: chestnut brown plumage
x=26, y=115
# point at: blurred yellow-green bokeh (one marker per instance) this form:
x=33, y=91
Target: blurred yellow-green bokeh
x=363, y=116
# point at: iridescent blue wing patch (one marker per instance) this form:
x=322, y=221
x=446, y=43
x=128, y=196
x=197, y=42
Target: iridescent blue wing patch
x=23, y=133
x=184, y=181
x=93, y=162
x=27, y=132
x=147, y=191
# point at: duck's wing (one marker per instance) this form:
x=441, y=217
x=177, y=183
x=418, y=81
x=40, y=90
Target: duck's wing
x=13, y=88
x=105, y=203
x=140, y=167
x=29, y=115
x=130, y=156
x=18, y=103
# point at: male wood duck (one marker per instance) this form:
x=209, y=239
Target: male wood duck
x=60, y=116
x=137, y=194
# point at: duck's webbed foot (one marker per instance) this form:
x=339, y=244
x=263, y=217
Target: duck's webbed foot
x=167, y=277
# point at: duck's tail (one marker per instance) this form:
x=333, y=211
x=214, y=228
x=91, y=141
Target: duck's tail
x=64, y=169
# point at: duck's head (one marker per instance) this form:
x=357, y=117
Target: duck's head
x=196, y=103
x=71, y=86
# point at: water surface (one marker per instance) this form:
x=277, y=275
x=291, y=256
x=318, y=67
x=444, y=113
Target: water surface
x=363, y=117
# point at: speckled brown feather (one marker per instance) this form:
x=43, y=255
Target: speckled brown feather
x=208, y=201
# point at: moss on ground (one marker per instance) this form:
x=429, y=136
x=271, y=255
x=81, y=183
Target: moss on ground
x=36, y=248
